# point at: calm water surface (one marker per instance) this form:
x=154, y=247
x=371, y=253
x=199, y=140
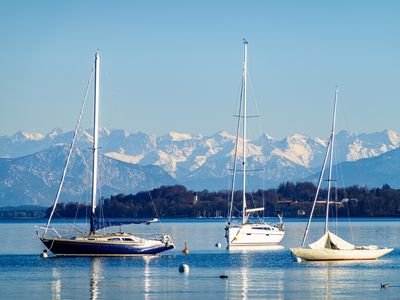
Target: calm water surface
x=267, y=274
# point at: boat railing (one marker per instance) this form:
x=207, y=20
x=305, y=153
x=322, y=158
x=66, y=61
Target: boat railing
x=52, y=232
x=49, y=232
x=151, y=235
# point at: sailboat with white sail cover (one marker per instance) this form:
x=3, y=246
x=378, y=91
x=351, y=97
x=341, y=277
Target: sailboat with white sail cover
x=95, y=243
x=247, y=232
x=330, y=246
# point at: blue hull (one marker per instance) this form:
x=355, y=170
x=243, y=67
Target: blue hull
x=82, y=248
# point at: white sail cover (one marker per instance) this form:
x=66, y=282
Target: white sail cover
x=331, y=241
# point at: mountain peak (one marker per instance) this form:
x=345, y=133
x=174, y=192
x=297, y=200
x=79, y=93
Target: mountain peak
x=176, y=136
x=55, y=132
x=393, y=136
x=22, y=136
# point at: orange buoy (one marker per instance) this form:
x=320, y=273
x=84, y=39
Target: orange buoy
x=186, y=250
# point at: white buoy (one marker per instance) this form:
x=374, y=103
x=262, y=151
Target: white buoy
x=184, y=268
x=298, y=259
x=44, y=254
x=218, y=245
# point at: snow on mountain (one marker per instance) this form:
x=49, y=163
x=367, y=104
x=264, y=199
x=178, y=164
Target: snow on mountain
x=54, y=133
x=371, y=172
x=352, y=147
x=34, y=179
x=175, y=136
x=23, y=136
x=196, y=158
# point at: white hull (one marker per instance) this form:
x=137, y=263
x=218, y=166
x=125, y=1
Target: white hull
x=260, y=234
x=334, y=254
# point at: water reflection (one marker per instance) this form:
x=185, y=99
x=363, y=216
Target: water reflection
x=95, y=278
x=147, y=277
x=334, y=279
x=56, y=284
x=245, y=282
x=256, y=276
x=255, y=248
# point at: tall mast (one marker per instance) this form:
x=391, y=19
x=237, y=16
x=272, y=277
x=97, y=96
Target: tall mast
x=332, y=141
x=95, y=141
x=244, y=128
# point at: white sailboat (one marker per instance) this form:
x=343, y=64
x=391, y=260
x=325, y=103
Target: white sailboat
x=330, y=246
x=246, y=232
x=94, y=243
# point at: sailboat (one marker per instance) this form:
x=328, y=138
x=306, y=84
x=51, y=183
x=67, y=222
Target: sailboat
x=330, y=246
x=94, y=243
x=247, y=232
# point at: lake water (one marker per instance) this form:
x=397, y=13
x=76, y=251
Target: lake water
x=267, y=274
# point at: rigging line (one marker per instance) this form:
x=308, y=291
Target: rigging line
x=69, y=152
x=236, y=153
x=82, y=196
x=339, y=174
x=152, y=200
x=317, y=192
x=228, y=193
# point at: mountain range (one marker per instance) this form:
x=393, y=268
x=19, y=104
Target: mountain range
x=31, y=163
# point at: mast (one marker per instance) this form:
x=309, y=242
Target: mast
x=244, y=128
x=95, y=141
x=332, y=141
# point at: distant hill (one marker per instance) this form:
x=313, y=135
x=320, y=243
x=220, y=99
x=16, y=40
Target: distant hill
x=33, y=179
x=371, y=172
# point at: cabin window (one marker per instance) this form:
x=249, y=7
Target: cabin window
x=128, y=239
x=114, y=239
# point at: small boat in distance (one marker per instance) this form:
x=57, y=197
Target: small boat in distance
x=247, y=232
x=330, y=247
x=94, y=243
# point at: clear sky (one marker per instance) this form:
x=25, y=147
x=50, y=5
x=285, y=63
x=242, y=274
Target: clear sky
x=176, y=65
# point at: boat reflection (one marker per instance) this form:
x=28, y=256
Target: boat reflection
x=56, y=284
x=255, y=248
x=244, y=283
x=95, y=278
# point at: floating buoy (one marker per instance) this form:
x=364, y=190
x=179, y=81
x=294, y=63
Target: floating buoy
x=184, y=268
x=44, y=254
x=223, y=276
x=185, y=250
x=218, y=245
x=298, y=259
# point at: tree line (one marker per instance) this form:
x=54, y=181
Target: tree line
x=291, y=199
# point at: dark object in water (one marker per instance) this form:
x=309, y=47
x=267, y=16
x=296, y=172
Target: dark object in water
x=223, y=276
x=384, y=285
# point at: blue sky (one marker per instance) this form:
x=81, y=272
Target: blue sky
x=176, y=65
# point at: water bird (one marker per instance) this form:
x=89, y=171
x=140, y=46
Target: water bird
x=384, y=285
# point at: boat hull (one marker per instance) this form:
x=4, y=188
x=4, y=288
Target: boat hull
x=65, y=247
x=253, y=235
x=338, y=255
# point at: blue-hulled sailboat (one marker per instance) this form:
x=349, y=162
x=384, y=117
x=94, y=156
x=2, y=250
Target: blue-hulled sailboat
x=94, y=243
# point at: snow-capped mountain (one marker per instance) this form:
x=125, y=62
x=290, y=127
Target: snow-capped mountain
x=370, y=172
x=33, y=179
x=201, y=162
